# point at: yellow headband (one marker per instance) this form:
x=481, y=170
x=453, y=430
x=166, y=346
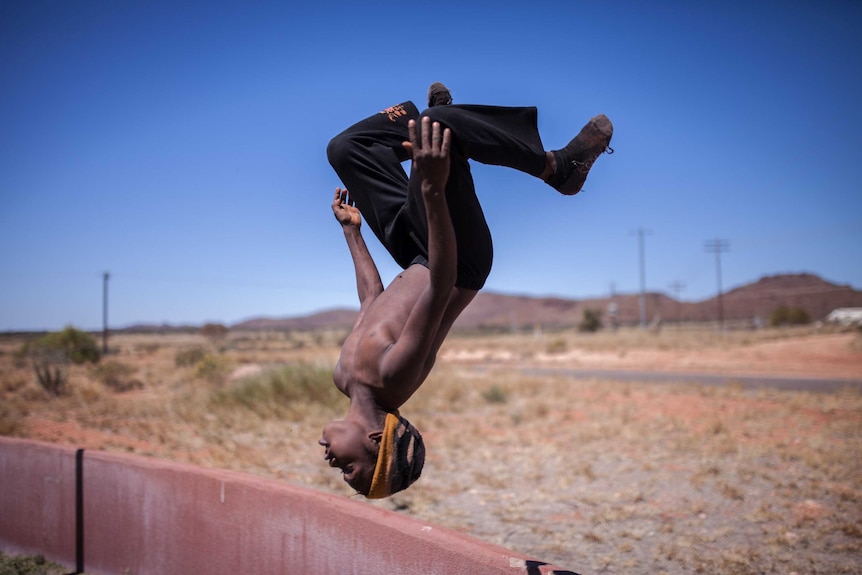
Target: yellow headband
x=381, y=482
x=400, y=457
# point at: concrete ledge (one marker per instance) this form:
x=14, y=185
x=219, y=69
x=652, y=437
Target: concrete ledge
x=37, y=498
x=149, y=516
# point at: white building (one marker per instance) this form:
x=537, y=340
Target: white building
x=845, y=316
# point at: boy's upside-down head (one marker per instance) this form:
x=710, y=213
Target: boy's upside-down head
x=376, y=464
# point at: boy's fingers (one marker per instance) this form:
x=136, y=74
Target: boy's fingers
x=447, y=140
x=411, y=132
x=426, y=137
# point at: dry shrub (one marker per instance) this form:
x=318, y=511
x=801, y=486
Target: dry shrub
x=214, y=332
x=602, y=476
x=190, y=356
x=272, y=391
x=28, y=565
x=116, y=375
x=10, y=419
x=149, y=348
x=557, y=346
x=495, y=394
x=213, y=368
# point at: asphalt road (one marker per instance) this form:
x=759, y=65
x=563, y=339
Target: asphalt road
x=783, y=383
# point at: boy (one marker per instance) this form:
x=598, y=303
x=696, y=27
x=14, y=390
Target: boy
x=433, y=226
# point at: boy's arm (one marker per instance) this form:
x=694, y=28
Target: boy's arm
x=368, y=284
x=404, y=362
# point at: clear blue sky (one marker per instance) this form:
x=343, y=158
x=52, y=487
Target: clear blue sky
x=180, y=146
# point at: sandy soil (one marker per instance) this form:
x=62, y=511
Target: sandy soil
x=825, y=356
x=596, y=476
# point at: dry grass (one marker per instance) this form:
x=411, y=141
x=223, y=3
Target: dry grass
x=595, y=475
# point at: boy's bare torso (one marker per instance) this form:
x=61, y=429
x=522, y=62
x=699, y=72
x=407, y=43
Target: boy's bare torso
x=377, y=329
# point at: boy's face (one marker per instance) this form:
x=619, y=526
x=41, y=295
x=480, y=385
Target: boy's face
x=349, y=448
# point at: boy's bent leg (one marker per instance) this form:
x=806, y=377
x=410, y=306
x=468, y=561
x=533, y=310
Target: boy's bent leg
x=496, y=135
x=474, y=247
x=367, y=158
x=509, y=137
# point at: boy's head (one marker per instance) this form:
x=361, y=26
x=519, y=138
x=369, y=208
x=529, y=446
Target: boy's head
x=375, y=464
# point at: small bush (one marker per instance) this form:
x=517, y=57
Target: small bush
x=557, y=346
x=784, y=315
x=50, y=368
x=292, y=384
x=149, y=348
x=214, y=332
x=28, y=565
x=10, y=422
x=591, y=322
x=495, y=394
x=77, y=346
x=213, y=368
x=189, y=357
x=116, y=375
x=51, y=354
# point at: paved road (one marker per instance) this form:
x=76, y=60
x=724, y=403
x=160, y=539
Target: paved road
x=746, y=381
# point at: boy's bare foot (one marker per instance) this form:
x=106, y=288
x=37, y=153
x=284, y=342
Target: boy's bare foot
x=572, y=163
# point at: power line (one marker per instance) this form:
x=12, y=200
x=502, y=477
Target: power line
x=717, y=246
x=676, y=287
x=105, y=277
x=640, y=233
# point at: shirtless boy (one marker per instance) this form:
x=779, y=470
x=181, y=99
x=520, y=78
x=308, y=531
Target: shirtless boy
x=433, y=226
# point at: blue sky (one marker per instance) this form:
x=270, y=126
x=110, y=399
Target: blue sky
x=180, y=146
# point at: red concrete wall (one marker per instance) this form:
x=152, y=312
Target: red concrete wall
x=151, y=516
x=37, y=498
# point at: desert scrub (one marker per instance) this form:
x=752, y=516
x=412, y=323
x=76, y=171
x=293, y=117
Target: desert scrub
x=28, y=565
x=286, y=387
x=189, y=357
x=77, y=346
x=10, y=424
x=51, y=355
x=213, y=368
x=591, y=321
x=557, y=346
x=495, y=394
x=116, y=375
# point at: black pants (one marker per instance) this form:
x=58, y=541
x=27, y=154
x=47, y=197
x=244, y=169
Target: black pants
x=367, y=158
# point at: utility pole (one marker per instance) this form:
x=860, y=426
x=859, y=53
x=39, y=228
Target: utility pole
x=717, y=246
x=640, y=233
x=105, y=277
x=676, y=287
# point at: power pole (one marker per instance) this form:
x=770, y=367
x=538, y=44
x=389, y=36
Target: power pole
x=676, y=287
x=640, y=233
x=717, y=246
x=105, y=277
x=613, y=308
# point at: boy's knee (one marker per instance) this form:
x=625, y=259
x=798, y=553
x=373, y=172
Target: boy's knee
x=337, y=150
x=443, y=114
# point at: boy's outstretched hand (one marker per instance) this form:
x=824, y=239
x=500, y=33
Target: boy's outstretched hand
x=345, y=210
x=430, y=151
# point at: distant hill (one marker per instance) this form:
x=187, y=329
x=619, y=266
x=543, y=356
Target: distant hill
x=498, y=311
x=333, y=318
x=807, y=291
